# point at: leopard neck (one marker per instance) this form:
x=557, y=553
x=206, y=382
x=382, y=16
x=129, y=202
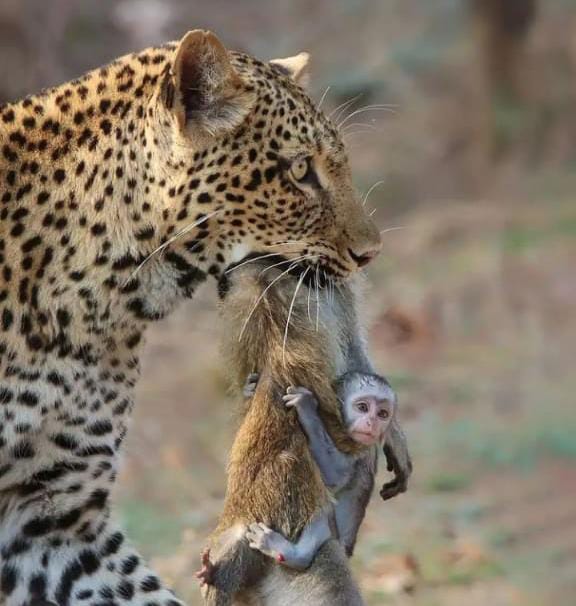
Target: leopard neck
x=80, y=209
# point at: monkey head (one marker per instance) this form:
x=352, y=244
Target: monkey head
x=368, y=406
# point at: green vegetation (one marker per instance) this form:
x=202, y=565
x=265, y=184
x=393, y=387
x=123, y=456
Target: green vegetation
x=153, y=530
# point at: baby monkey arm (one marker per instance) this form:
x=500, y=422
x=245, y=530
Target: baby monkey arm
x=335, y=467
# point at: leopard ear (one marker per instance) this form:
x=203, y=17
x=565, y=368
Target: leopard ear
x=211, y=97
x=296, y=67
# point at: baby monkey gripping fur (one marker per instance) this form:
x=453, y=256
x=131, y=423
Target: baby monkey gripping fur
x=272, y=477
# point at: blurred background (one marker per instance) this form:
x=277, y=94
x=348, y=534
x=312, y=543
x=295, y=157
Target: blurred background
x=468, y=155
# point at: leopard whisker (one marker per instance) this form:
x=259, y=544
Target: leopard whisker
x=317, y=297
x=262, y=295
x=248, y=261
x=363, y=110
x=330, y=293
x=346, y=137
x=296, y=289
x=308, y=305
x=362, y=126
x=372, y=188
x=294, y=259
x=283, y=243
x=384, y=231
x=335, y=114
x=323, y=97
x=163, y=246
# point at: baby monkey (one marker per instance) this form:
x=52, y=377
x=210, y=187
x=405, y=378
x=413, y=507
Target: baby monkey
x=368, y=406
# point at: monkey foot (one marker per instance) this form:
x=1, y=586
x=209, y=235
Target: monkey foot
x=393, y=488
x=401, y=472
x=265, y=540
x=205, y=574
x=250, y=386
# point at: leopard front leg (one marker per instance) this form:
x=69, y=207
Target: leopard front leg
x=44, y=564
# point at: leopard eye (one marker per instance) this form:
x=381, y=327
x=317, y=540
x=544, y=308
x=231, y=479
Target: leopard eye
x=300, y=168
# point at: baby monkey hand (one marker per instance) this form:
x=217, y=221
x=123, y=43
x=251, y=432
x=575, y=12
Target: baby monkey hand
x=300, y=398
x=249, y=388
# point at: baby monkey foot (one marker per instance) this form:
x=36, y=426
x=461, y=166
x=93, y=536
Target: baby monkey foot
x=401, y=470
x=249, y=388
x=206, y=573
x=270, y=543
x=299, y=397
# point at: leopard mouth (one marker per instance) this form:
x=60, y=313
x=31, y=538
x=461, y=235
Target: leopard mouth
x=313, y=275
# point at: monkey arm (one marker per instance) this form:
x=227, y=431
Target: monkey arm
x=297, y=555
x=335, y=467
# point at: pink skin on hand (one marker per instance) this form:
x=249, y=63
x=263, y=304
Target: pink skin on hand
x=280, y=558
x=204, y=575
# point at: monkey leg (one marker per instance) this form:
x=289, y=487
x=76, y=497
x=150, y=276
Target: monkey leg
x=398, y=461
x=294, y=555
x=327, y=582
x=233, y=566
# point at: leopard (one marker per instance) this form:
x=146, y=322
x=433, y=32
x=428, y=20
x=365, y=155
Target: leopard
x=121, y=192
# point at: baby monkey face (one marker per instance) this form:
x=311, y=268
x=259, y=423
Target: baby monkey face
x=370, y=416
x=369, y=406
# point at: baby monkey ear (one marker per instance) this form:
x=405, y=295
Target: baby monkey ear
x=210, y=96
x=296, y=67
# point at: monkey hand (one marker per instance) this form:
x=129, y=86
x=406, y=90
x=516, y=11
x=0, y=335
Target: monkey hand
x=206, y=573
x=249, y=388
x=402, y=469
x=299, y=398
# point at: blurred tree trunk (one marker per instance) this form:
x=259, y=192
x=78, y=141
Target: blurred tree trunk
x=503, y=27
x=45, y=25
x=32, y=34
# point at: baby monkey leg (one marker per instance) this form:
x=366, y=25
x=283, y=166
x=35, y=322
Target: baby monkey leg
x=297, y=555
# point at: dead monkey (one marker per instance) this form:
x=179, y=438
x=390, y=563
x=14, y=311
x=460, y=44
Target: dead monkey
x=272, y=476
x=368, y=407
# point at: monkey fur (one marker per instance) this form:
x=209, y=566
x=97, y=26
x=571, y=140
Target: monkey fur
x=272, y=477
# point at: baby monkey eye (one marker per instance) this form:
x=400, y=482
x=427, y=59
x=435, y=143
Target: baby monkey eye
x=383, y=414
x=362, y=406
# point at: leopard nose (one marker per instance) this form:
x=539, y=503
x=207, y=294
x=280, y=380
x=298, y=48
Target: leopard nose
x=363, y=257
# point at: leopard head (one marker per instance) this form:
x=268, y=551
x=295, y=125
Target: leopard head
x=252, y=166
